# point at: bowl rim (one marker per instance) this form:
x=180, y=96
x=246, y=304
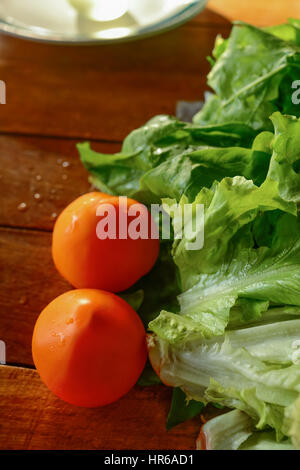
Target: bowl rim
x=38, y=34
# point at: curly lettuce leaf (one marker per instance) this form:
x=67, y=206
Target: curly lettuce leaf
x=252, y=370
x=289, y=31
x=228, y=268
x=249, y=76
x=285, y=162
x=166, y=157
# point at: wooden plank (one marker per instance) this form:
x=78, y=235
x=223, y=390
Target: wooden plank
x=255, y=11
x=29, y=281
x=101, y=92
x=34, y=167
x=33, y=418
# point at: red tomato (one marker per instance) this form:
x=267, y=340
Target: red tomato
x=89, y=347
x=110, y=264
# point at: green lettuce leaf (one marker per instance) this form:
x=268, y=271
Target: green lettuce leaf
x=289, y=31
x=285, y=162
x=234, y=431
x=292, y=422
x=166, y=157
x=272, y=343
x=228, y=268
x=266, y=441
x=225, y=432
x=156, y=290
x=148, y=377
x=182, y=409
x=248, y=78
x=134, y=299
x=252, y=369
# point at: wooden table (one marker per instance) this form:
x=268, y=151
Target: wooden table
x=57, y=96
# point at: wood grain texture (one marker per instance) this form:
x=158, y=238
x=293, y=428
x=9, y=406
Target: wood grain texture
x=101, y=92
x=29, y=281
x=33, y=167
x=33, y=418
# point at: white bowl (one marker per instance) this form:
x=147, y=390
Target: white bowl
x=58, y=21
